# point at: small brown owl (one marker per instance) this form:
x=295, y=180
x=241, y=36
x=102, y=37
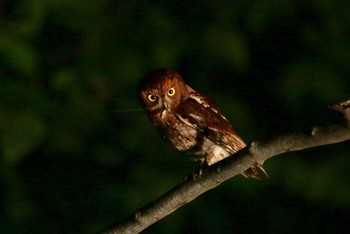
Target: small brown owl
x=190, y=121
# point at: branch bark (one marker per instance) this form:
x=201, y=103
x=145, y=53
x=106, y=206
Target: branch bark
x=257, y=151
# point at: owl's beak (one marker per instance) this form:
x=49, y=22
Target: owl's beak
x=166, y=105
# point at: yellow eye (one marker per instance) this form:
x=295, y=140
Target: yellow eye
x=152, y=97
x=171, y=92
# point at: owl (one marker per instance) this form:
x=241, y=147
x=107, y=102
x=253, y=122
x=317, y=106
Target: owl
x=191, y=122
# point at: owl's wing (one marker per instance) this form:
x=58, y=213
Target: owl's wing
x=201, y=113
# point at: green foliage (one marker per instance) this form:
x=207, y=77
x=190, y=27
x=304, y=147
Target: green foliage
x=74, y=159
x=24, y=132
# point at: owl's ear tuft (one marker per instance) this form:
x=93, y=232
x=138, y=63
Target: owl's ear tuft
x=148, y=80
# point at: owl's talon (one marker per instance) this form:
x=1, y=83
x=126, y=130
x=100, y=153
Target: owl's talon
x=185, y=179
x=203, y=167
x=197, y=174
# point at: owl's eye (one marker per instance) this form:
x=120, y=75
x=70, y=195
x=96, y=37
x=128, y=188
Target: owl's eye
x=171, y=92
x=152, y=97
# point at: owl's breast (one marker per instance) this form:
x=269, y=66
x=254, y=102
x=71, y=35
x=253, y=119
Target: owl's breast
x=182, y=136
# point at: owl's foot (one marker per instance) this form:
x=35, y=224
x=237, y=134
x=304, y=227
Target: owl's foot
x=185, y=179
x=195, y=176
x=203, y=167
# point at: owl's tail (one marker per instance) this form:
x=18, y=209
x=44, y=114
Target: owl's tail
x=255, y=172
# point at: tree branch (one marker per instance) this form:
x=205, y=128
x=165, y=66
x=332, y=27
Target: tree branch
x=257, y=151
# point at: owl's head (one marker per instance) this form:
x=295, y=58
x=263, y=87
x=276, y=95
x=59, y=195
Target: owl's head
x=162, y=90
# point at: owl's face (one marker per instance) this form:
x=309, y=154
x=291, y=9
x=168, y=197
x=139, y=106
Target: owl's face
x=162, y=90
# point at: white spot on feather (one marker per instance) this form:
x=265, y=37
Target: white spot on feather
x=202, y=102
x=196, y=117
x=219, y=153
x=185, y=121
x=199, y=100
x=215, y=153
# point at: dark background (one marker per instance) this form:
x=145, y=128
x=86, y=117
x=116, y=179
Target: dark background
x=74, y=161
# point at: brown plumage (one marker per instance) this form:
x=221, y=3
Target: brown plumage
x=190, y=121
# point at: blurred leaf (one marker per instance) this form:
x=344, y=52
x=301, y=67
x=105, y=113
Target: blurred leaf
x=79, y=14
x=18, y=54
x=305, y=80
x=228, y=47
x=262, y=15
x=31, y=17
x=23, y=133
x=63, y=80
